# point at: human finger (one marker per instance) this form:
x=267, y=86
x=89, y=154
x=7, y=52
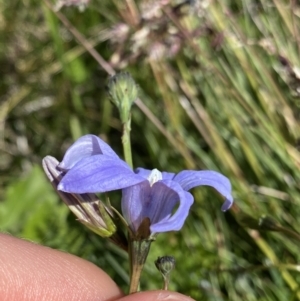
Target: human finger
x=156, y=296
x=33, y=272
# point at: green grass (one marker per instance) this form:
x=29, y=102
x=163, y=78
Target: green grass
x=226, y=99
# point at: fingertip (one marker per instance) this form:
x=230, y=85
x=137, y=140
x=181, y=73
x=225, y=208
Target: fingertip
x=32, y=272
x=160, y=295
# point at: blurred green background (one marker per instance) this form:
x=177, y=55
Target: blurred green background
x=219, y=89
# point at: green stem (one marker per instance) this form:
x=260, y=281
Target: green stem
x=126, y=142
x=166, y=283
x=138, y=252
x=289, y=232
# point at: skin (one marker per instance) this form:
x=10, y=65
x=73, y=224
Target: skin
x=32, y=272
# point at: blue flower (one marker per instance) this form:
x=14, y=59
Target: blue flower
x=91, y=166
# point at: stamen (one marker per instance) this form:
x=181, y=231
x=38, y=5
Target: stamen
x=154, y=176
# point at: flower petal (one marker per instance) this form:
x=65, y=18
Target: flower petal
x=168, y=175
x=133, y=200
x=189, y=179
x=86, y=146
x=143, y=172
x=165, y=195
x=227, y=204
x=157, y=203
x=99, y=173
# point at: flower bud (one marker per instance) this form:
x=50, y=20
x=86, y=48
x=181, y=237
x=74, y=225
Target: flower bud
x=165, y=265
x=123, y=92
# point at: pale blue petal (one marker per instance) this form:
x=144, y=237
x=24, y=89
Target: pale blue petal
x=134, y=199
x=167, y=195
x=99, y=173
x=143, y=172
x=189, y=179
x=86, y=146
x=157, y=203
x=168, y=175
x=227, y=204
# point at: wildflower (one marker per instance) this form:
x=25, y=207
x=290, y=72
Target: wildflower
x=148, y=197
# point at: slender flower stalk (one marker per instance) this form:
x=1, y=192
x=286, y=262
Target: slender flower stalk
x=138, y=252
x=127, y=143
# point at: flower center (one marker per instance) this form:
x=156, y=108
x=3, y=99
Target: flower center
x=154, y=176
